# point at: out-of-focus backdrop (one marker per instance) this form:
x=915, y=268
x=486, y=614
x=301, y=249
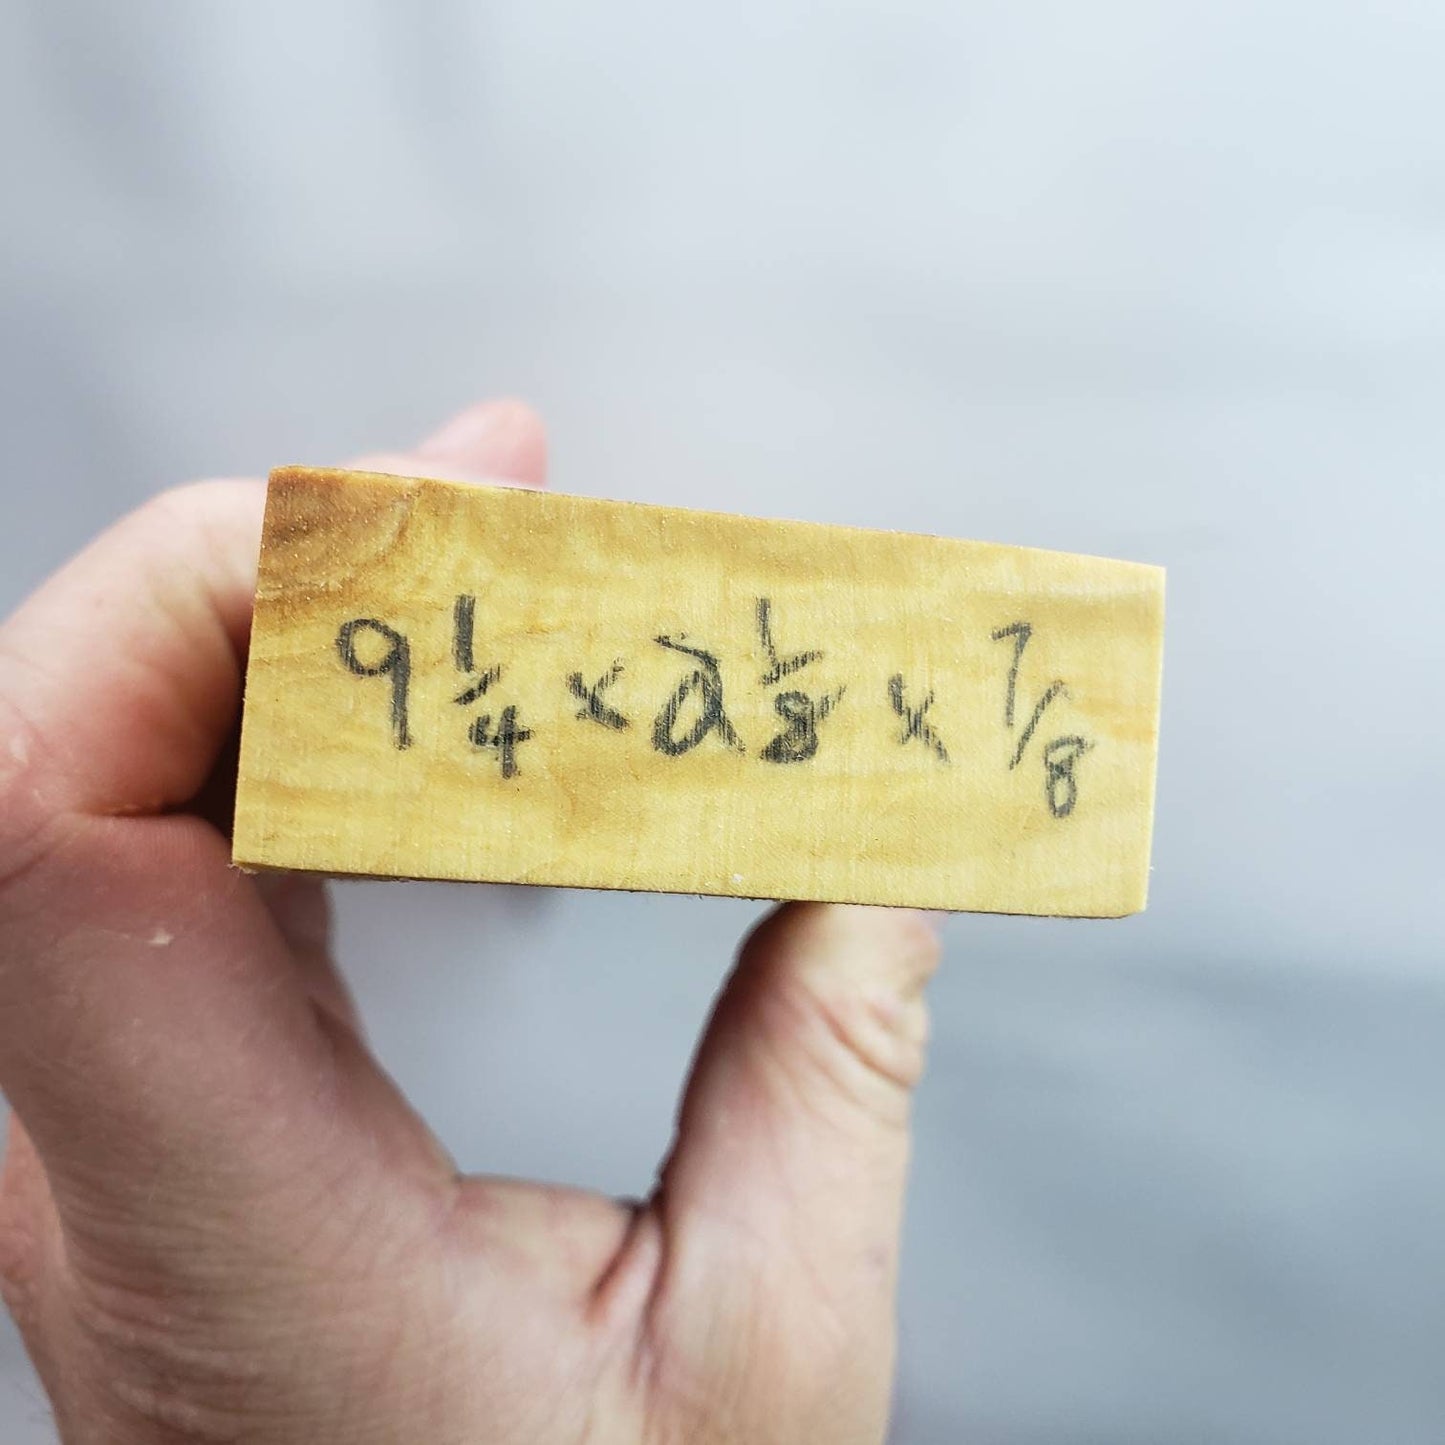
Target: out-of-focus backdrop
x=1157, y=281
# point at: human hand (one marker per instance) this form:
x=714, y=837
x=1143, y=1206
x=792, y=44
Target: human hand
x=220, y=1221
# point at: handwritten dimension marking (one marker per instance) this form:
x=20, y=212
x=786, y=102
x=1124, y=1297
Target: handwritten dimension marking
x=1061, y=788
x=484, y=683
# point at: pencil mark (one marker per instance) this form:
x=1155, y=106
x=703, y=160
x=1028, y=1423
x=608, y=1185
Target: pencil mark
x=1059, y=759
x=593, y=706
x=780, y=667
x=802, y=714
x=395, y=664
x=1056, y=689
x=464, y=627
x=1020, y=632
x=1061, y=788
x=507, y=738
x=464, y=622
x=480, y=687
x=706, y=681
x=915, y=724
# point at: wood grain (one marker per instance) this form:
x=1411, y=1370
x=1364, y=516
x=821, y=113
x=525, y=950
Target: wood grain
x=495, y=684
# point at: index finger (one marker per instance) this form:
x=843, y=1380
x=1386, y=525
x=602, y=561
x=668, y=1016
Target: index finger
x=122, y=674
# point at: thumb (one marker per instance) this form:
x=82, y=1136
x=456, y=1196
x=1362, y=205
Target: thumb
x=783, y=1197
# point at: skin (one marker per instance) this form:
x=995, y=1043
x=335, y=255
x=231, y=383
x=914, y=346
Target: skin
x=219, y=1219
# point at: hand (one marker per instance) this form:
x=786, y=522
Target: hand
x=221, y=1222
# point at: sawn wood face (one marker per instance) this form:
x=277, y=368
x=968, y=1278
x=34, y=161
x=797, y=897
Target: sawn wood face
x=500, y=684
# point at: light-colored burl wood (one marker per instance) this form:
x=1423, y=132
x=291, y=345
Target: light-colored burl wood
x=483, y=683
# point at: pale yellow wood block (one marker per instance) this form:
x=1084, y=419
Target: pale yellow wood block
x=862, y=716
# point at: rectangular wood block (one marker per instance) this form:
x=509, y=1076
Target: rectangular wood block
x=484, y=683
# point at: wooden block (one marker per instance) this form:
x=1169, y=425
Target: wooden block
x=482, y=683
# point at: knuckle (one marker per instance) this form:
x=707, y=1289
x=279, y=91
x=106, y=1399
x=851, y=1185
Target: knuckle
x=26, y=820
x=169, y=509
x=843, y=996
x=878, y=1031
x=844, y=1054
x=197, y=511
x=184, y=498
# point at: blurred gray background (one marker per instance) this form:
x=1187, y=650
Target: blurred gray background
x=1158, y=281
